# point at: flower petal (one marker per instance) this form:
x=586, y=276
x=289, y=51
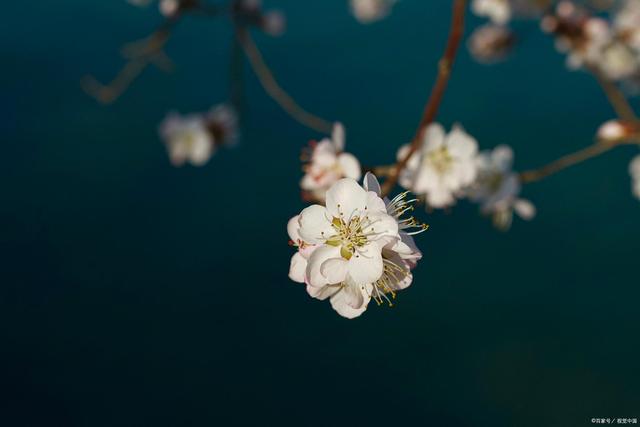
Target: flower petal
x=434, y=136
x=315, y=224
x=370, y=183
x=525, y=209
x=461, y=144
x=334, y=269
x=337, y=135
x=365, y=266
x=323, y=292
x=297, y=268
x=345, y=198
x=350, y=166
x=293, y=227
x=313, y=275
x=340, y=304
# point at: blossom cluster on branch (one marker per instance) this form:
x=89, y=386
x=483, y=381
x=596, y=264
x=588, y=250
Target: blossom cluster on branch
x=355, y=244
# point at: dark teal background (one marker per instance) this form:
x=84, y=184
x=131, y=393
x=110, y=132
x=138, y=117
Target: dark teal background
x=133, y=293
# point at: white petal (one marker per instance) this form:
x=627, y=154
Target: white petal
x=381, y=225
x=323, y=292
x=334, y=269
x=338, y=136
x=293, y=226
x=315, y=224
x=365, y=266
x=502, y=157
x=350, y=166
x=434, y=136
x=375, y=204
x=440, y=197
x=340, y=305
x=314, y=276
x=525, y=209
x=371, y=183
x=345, y=198
x=297, y=268
x=461, y=144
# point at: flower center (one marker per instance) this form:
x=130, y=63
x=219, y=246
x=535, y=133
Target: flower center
x=350, y=235
x=440, y=159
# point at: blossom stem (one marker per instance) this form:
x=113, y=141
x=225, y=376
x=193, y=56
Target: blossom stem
x=615, y=96
x=437, y=92
x=274, y=90
x=574, y=158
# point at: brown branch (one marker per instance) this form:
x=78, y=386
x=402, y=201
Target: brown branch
x=575, y=158
x=615, y=96
x=437, y=92
x=274, y=90
x=139, y=54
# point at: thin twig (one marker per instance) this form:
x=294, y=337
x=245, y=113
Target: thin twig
x=275, y=91
x=437, y=92
x=139, y=54
x=574, y=158
x=615, y=96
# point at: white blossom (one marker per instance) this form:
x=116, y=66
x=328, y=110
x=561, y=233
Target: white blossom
x=355, y=249
x=497, y=187
x=368, y=11
x=627, y=23
x=498, y=11
x=187, y=139
x=634, y=171
x=327, y=164
x=443, y=166
x=490, y=43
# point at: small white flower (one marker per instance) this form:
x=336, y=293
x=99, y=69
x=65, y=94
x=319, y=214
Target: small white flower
x=328, y=163
x=187, y=139
x=497, y=188
x=490, y=43
x=443, y=166
x=634, y=171
x=615, y=130
x=357, y=248
x=368, y=11
x=626, y=22
x=498, y=11
x=618, y=61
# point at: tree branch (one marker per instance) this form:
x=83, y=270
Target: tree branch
x=437, y=92
x=274, y=90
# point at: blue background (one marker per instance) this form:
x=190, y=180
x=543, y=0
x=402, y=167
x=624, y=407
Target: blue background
x=134, y=293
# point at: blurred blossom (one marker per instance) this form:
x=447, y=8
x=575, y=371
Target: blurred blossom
x=355, y=249
x=634, y=171
x=490, y=43
x=498, y=11
x=169, y=8
x=187, y=139
x=497, y=187
x=250, y=12
x=442, y=167
x=612, y=130
x=194, y=138
x=368, y=11
x=327, y=164
x=627, y=23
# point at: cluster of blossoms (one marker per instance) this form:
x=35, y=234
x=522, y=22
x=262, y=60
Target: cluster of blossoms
x=194, y=138
x=368, y=11
x=612, y=46
x=356, y=248
x=326, y=164
x=449, y=167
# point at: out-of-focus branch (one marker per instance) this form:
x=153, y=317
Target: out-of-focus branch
x=615, y=96
x=574, y=158
x=140, y=54
x=439, y=87
x=274, y=90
